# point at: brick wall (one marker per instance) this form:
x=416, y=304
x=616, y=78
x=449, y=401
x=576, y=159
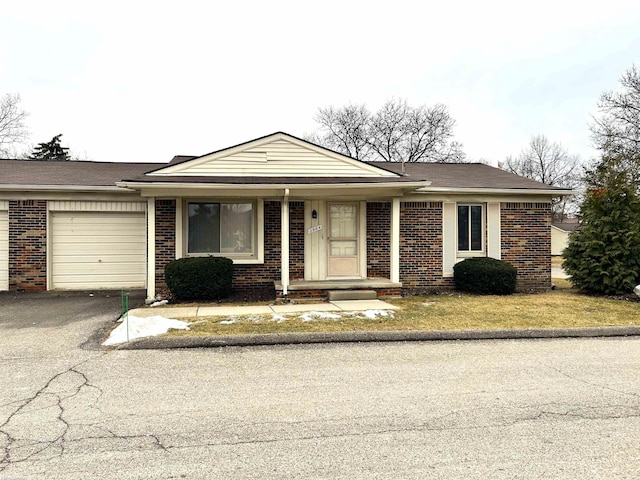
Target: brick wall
x=260, y=276
x=296, y=240
x=165, y=237
x=378, y=239
x=526, y=242
x=421, y=246
x=27, y=245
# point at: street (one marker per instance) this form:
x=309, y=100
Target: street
x=517, y=409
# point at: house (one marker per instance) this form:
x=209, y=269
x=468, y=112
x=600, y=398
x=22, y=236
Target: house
x=293, y=216
x=560, y=235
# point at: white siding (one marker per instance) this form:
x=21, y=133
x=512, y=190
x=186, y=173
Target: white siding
x=93, y=206
x=276, y=158
x=449, y=243
x=559, y=240
x=494, y=249
x=98, y=250
x=4, y=249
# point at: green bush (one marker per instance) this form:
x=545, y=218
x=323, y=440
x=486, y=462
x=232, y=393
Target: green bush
x=485, y=276
x=199, y=278
x=603, y=255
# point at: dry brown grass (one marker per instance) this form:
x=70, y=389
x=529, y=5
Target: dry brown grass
x=561, y=308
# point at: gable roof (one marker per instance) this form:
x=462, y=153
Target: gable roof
x=275, y=155
x=291, y=157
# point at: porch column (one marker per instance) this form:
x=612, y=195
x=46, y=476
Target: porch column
x=178, y=233
x=284, y=243
x=395, y=240
x=151, y=247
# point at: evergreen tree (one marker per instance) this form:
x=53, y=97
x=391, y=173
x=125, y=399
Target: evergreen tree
x=50, y=150
x=603, y=255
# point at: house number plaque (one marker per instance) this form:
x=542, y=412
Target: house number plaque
x=314, y=229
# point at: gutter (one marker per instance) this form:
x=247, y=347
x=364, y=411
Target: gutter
x=270, y=186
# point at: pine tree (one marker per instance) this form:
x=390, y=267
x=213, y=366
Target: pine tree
x=603, y=255
x=50, y=150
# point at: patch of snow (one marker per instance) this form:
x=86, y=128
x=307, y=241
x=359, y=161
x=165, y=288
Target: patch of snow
x=143, y=327
x=279, y=318
x=226, y=322
x=159, y=304
x=313, y=315
x=371, y=314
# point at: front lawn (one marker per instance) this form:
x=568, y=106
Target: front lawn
x=560, y=308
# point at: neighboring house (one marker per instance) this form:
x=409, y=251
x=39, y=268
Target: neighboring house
x=292, y=215
x=560, y=235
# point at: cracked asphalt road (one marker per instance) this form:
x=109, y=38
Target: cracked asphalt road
x=516, y=409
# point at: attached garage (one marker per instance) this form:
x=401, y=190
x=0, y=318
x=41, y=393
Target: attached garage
x=4, y=245
x=96, y=249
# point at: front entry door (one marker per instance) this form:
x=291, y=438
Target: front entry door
x=343, y=260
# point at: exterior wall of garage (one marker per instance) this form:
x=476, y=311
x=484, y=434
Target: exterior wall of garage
x=28, y=235
x=27, y=245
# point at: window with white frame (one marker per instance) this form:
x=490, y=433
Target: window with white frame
x=225, y=228
x=471, y=228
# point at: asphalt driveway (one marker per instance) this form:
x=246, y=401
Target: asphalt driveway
x=56, y=309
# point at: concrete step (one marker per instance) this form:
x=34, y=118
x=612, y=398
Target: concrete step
x=352, y=295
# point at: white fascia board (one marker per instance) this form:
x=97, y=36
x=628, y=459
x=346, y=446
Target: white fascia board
x=498, y=191
x=154, y=188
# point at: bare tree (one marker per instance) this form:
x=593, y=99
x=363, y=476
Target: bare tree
x=344, y=130
x=397, y=132
x=617, y=129
x=12, y=128
x=549, y=163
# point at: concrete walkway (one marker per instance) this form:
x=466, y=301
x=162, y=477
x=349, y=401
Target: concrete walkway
x=239, y=310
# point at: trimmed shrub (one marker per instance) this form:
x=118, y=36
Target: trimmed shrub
x=485, y=276
x=199, y=278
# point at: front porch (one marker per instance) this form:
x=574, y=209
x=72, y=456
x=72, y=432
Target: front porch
x=319, y=289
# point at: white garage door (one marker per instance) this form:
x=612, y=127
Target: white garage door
x=4, y=250
x=93, y=250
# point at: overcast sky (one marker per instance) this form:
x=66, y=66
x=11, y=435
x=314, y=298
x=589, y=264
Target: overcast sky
x=143, y=81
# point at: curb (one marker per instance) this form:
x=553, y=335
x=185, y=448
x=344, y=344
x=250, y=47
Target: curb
x=153, y=343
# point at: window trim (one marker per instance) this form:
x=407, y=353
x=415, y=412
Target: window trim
x=257, y=254
x=483, y=250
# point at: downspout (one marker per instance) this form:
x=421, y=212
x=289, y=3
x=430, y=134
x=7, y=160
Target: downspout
x=284, y=243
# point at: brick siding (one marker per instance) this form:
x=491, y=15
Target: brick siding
x=421, y=247
x=260, y=276
x=378, y=239
x=296, y=240
x=526, y=243
x=27, y=245
x=165, y=232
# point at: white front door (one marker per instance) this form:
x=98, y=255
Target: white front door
x=342, y=241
